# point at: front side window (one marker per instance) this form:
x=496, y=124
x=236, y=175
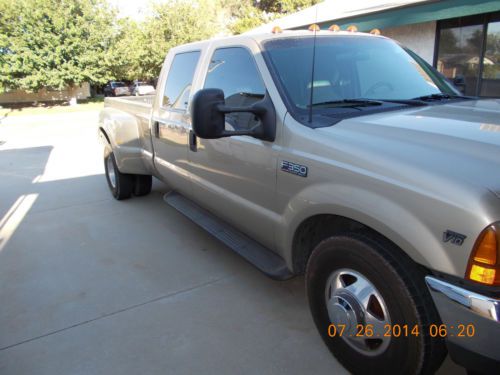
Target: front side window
x=179, y=80
x=233, y=70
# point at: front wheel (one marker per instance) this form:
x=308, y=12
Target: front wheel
x=371, y=307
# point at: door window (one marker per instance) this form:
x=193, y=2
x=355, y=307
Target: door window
x=233, y=70
x=179, y=80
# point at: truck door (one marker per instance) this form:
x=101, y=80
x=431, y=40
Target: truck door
x=171, y=122
x=235, y=177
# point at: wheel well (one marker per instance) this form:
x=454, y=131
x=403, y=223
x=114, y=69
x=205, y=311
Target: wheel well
x=103, y=132
x=314, y=230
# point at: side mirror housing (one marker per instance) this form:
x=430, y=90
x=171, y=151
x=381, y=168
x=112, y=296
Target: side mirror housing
x=208, y=116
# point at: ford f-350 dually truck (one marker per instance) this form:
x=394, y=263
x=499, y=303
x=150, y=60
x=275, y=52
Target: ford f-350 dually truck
x=342, y=156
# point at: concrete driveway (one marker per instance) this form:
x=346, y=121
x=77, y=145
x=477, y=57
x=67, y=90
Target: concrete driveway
x=89, y=285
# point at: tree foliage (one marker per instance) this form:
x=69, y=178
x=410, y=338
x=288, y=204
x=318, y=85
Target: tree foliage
x=54, y=43
x=284, y=6
x=255, y=13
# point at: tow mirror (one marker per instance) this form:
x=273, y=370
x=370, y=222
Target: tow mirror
x=208, y=116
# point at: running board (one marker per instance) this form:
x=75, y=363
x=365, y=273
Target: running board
x=262, y=258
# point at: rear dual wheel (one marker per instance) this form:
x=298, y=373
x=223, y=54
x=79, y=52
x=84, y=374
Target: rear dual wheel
x=123, y=185
x=362, y=293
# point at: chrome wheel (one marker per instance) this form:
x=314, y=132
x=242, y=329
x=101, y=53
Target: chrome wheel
x=353, y=303
x=111, y=171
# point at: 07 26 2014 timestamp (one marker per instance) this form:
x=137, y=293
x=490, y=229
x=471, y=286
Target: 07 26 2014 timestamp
x=401, y=330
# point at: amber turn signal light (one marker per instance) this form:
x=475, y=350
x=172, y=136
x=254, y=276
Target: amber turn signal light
x=314, y=27
x=352, y=28
x=334, y=28
x=484, y=266
x=375, y=32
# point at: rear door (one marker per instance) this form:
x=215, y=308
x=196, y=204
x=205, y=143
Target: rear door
x=172, y=122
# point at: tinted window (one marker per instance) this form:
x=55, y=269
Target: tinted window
x=491, y=62
x=349, y=67
x=458, y=55
x=180, y=77
x=233, y=70
x=117, y=84
x=469, y=53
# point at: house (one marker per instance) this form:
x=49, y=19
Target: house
x=461, y=38
x=45, y=95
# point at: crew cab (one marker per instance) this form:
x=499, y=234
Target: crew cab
x=342, y=156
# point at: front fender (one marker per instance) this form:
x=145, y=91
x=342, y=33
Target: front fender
x=422, y=242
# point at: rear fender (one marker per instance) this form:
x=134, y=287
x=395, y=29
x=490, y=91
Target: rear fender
x=120, y=131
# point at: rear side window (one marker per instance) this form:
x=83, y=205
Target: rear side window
x=233, y=70
x=179, y=80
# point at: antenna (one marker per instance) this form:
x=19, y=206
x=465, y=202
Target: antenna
x=315, y=28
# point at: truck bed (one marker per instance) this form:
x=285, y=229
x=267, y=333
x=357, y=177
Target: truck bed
x=136, y=105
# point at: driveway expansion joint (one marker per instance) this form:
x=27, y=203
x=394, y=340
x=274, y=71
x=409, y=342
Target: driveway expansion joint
x=132, y=307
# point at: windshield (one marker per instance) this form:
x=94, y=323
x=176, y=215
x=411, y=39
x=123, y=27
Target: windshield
x=117, y=84
x=350, y=67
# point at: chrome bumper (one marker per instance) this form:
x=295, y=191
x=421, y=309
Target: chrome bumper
x=458, y=307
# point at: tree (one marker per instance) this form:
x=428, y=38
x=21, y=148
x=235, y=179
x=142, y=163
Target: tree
x=248, y=17
x=141, y=47
x=284, y=6
x=55, y=43
x=252, y=14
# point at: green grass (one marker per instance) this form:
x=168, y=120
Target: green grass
x=93, y=104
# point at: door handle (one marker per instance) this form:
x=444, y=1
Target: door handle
x=156, y=129
x=193, y=142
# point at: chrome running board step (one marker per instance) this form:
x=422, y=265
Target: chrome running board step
x=261, y=257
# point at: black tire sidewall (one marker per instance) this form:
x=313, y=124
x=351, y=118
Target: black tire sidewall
x=142, y=185
x=123, y=182
x=404, y=354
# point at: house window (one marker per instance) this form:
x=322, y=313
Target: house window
x=468, y=53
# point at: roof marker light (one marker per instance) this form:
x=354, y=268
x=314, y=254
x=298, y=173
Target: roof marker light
x=277, y=30
x=314, y=27
x=352, y=28
x=375, y=32
x=334, y=28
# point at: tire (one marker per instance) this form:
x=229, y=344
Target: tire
x=120, y=184
x=345, y=270
x=142, y=185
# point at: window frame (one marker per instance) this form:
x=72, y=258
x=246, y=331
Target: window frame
x=215, y=49
x=179, y=110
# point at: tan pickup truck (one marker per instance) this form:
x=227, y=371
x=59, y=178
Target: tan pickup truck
x=344, y=156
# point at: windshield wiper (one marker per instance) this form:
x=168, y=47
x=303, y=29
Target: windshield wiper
x=348, y=103
x=361, y=102
x=413, y=102
x=441, y=96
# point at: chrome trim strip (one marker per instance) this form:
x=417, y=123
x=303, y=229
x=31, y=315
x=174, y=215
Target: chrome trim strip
x=487, y=307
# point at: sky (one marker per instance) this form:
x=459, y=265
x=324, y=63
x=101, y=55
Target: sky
x=136, y=9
